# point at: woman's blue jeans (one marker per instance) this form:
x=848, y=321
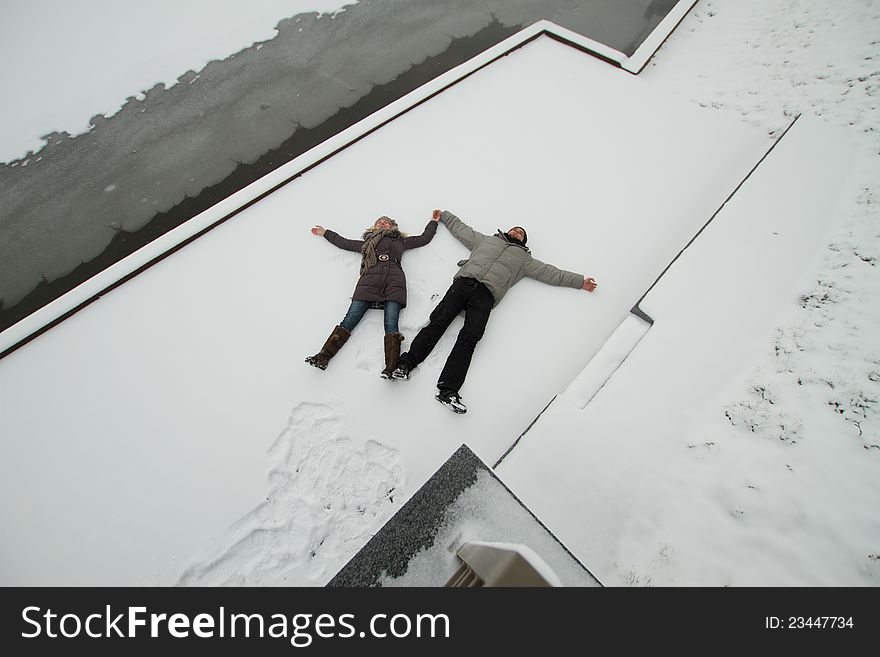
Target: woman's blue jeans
x=357, y=309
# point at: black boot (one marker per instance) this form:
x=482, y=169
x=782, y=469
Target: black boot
x=331, y=347
x=392, y=353
x=450, y=399
x=401, y=372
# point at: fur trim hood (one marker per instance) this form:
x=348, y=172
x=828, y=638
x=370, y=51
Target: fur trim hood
x=394, y=233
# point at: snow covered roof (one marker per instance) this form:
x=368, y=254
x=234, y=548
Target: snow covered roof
x=141, y=430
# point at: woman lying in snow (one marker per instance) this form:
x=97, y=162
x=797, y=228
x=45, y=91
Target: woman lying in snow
x=382, y=281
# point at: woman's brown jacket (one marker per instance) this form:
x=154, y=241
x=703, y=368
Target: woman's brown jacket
x=385, y=280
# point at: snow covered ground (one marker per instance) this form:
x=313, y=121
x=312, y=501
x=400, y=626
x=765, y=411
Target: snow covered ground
x=789, y=448
x=139, y=431
x=206, y=346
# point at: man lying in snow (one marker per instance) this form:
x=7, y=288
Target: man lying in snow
x=496, y=264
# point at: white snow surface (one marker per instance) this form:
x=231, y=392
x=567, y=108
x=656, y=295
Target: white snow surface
x=169, y=433
x=787, y=451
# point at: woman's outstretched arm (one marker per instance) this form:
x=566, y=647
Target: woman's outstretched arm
x=426, y=236
x=338, y=240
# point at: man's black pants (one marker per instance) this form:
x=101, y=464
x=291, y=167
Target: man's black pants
x=474, y=298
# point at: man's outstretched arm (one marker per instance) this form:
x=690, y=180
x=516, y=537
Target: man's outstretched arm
x=547, y=273
x=460, y=230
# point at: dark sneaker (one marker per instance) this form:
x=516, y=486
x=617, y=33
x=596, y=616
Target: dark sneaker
x=402, y=372
x=451, y=399
x=319, y=360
